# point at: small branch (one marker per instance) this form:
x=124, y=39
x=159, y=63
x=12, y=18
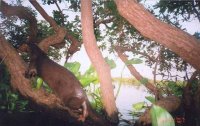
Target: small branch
x=195, y=10
x=134, y=72
x=74, y=47
x=101, y=21
x=131, y=49
x=156, y=66
x=62, y=15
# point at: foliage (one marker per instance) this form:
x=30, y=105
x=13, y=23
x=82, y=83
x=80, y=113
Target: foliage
x=186, y=9
x=134, y=61
x=38, y=83
x=160, y=117
x=89, y=81
x=151, y=99
x=138, y=106
x=10, y=101
x=171, y=87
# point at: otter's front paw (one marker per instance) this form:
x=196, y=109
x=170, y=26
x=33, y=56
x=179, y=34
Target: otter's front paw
x=31, y=73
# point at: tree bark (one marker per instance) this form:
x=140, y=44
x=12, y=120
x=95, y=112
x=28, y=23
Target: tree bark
x=97, y=60
x=180, y=42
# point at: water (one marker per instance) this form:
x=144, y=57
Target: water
x=128, y=96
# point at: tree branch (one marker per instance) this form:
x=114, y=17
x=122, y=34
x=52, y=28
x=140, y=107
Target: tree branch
x=58, y=37
x=62, y=15
x=133, y=71
x=131, y=49
x=180, y=42
x=60, y=33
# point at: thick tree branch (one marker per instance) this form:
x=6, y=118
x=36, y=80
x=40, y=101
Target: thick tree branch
x=44, y=14
x=97, y=60
x=59, y=35
x=74, y=47
x=180, y=42
x=22, y=13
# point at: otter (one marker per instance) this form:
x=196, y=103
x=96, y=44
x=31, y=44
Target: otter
x=63, y=83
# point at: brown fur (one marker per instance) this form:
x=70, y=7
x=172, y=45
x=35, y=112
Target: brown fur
x=64, y=84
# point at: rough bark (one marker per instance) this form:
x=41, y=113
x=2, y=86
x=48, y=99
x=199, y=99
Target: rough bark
x=97, y=60
x=180, y=42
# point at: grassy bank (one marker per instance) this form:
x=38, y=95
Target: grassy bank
x=128, y=81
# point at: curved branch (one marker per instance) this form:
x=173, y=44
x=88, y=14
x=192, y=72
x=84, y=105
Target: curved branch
x=59, y=35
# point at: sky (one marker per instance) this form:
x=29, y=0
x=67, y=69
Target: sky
x=81, y=56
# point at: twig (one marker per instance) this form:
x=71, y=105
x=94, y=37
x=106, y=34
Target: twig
x=3, y=59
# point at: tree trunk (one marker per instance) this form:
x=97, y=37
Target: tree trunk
x=180, y=42
x=97, y=60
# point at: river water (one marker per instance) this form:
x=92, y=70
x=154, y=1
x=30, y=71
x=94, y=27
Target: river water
x=128, y=96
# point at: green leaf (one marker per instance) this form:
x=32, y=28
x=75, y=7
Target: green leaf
x=133, y=61
x=73, y=67
x=138, y=106
x=90, y=71
x=39, y=83
x=111, y=63
x=160, y=117
x=85, y=81
x=151, y=99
